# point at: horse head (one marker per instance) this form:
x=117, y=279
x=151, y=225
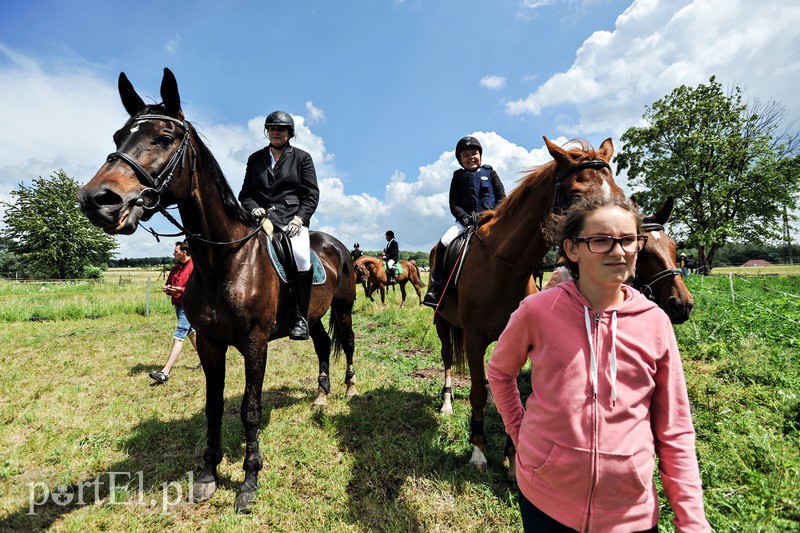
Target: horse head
x=579, y=171
x=362, y=275
x=657, y=274
x=150, y=168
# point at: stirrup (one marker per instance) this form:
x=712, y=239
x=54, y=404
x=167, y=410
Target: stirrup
x=299, y=330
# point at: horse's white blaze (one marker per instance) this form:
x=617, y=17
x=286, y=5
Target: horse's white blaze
x=606, y=189
x=477, y=459
x=656, y=234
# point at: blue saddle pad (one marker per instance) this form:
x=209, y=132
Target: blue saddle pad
x=316, y=266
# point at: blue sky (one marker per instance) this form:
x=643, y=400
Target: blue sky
x=381, y=90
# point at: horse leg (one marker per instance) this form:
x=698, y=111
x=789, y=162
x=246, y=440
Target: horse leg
x=343, y=322
x=475, y=349
x=443, y=330
x=403, y=294
x=383, y=295
x=322, y=345
x=255, y=362
x=212, y=356
x=510, y=451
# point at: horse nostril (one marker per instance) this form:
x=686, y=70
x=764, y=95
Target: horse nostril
x=106, y=198
x=672, y=303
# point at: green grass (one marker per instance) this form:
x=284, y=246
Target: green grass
x=76, y=402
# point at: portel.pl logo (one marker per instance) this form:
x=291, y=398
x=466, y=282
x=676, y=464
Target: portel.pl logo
x=123, y=488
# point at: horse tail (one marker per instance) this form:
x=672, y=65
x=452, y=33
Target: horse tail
x=335, y=332
x=459, y=355
x=413, y=274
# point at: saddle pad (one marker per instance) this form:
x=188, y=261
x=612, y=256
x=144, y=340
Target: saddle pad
x=316, y=266
x=398, y=268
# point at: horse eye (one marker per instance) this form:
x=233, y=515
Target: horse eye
x=164, y=140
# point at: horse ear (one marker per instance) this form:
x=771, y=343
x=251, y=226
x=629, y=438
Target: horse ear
x=633, y=201
x=663, y=214
x=170, y=96
x=130, y=99
x=561, y=156
x=606, y=150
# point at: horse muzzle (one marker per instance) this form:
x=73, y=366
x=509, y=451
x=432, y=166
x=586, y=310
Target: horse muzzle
x=109, y=211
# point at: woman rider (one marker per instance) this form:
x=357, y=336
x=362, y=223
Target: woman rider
x=281, y=184
x=474, y=188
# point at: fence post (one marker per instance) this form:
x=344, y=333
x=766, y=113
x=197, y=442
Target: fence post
x=730, y=280
x=147, y=300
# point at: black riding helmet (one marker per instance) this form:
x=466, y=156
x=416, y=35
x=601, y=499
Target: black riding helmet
x=279, y=118
x=467, y=142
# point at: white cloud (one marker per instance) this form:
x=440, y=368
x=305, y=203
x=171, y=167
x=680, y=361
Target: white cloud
x=658, y=45
x=64, y=117
x=314, y=113
x=493, y=82
x=173, y=43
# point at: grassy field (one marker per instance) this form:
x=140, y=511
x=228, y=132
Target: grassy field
x=76, y=404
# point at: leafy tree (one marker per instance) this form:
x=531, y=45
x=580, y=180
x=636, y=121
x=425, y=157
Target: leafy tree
x=728, y=163
x=44, y=225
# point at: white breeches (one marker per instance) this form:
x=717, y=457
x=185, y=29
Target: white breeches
x=301, y=247
x=390, y=264
x=452, y=233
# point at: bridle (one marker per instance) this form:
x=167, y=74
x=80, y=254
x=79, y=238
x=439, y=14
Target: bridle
x=647, y=286
x=155, y=185
x=561, y=201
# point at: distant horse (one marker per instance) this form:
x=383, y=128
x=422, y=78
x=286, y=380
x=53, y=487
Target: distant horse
x=372, y=275
x=496, y=272
x=234, y=297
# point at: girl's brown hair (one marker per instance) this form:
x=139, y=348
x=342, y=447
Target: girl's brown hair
x=569, y=225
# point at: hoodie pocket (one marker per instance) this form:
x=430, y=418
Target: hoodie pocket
x=565, y=475
x=618, y=483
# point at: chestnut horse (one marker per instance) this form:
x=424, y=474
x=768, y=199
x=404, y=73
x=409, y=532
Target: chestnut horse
x=372, y=275
x=234, y=297
x=496, y=272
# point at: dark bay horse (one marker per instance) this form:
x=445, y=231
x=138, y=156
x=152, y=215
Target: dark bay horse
x=234, y=297
x=496, y=273
x=372, y=274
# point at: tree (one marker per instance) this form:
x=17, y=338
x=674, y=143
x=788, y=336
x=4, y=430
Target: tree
x=44, y=225
x=729, y=164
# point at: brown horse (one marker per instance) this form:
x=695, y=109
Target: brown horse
x=496, y=272
x=234, y=297
x=372, y=275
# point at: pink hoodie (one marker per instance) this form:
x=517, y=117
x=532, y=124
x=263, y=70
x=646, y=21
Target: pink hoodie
x=608, y=395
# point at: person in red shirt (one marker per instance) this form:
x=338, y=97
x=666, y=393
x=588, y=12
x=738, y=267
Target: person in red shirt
x=176, y=283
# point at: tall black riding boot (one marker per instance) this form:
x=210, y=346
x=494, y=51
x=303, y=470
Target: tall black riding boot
x=302, y=294
x=436, y=283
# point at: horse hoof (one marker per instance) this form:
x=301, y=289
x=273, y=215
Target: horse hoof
x=203, y=491
x=320, y=403
x=351, y=392
x=244, y=501
x=478, y=459
x=446, y=410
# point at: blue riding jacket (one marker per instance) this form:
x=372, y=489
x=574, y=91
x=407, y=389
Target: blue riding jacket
x=475, y=191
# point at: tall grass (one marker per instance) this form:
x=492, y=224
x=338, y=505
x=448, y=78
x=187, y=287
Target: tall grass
x=75, y=402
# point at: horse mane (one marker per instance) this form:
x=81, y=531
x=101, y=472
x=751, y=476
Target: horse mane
x=539, y=180
x=210, y=166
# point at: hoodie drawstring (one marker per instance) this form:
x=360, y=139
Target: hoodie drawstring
x=593, y=362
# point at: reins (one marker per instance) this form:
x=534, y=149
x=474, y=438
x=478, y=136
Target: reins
x=150, y=196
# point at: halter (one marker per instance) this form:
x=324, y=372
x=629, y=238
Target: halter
x=669, y=273
x=561, y=201
x=150, y=196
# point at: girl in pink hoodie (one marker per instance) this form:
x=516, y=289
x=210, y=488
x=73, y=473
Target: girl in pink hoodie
x=608, y=389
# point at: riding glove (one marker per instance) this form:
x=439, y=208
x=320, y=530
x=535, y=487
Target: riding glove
x=466, y=221
x=293, y=229
x=258, y=212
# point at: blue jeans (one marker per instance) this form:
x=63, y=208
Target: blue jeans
x=184, y=328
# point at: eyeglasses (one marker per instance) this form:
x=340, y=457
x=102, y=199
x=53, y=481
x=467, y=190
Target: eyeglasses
x=602, y=244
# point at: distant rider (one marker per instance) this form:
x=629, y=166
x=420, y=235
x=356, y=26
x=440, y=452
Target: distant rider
x=391, y=254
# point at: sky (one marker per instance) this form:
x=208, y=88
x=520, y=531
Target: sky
x=380, y=90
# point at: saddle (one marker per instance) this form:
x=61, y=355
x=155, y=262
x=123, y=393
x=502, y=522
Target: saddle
x=282, y=258
x=452, y=262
